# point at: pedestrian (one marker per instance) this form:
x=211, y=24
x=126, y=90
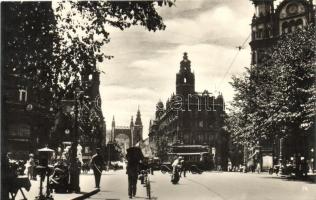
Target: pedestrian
x=134, y=158
x=183, y=168
x=258, y=168
x=97, y=164
x=30, y=165
x=176, y=164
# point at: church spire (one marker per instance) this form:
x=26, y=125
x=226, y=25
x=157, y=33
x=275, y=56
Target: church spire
x=113, y=122
x=132, y=122
x=138, y=120
x=185, y=64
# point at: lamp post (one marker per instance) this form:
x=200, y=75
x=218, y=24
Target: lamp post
x=45, y=155
x=312, y=160
x=281, y=147
x=74, y=165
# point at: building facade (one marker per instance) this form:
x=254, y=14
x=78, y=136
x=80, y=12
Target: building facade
x=190, y=118
x=127, y=136
x=33, y=117
x=269, y=23
x=26, y=114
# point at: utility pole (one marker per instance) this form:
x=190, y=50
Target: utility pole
x=74, y=163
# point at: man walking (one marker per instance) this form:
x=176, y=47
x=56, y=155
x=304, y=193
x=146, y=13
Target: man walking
x=134, y=157
x=30, y=165
x=97, y=164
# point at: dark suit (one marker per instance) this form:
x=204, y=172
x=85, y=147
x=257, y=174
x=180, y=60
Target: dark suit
x=133, y=156
x=97, y=166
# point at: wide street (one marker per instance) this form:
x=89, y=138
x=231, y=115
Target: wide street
x=209, y=185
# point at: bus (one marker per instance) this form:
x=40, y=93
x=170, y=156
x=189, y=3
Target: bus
x=199, y=155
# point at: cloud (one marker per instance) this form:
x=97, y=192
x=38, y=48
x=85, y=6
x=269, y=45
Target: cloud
x=145, y=63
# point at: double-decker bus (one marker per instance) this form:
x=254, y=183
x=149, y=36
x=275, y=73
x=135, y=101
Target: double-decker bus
x=199, y=155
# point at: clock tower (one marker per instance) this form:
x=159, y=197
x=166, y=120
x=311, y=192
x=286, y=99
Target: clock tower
x=262, y=29
x=185, y=81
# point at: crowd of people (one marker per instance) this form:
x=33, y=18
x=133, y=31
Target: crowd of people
x=136, y=163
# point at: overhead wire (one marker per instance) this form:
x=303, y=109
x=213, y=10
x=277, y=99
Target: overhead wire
x=233, y=60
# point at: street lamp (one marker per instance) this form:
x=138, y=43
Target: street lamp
x=74, y=165
x=281, y=146
x=45, y=156
x=312, y=161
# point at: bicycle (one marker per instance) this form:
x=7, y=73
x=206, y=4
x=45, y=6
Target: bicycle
x=146, y=182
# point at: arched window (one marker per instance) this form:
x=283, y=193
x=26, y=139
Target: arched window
x=253, y=35
x=22, y=95
x=184, y=80
x=285, y=27
x=292, y=26
x=299, y=23
x=260, y=33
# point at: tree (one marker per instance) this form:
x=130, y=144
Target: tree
x=279, y=94
x=56, y=48
x=162, y=148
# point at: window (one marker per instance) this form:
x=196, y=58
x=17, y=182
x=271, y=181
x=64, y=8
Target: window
x=260, y=33
x=184, y=80
x=299, y=23
x=253, y=35
x=254, y=57
x=19, y=130
x=22, y=95
x=201, y=123
x=285, y=26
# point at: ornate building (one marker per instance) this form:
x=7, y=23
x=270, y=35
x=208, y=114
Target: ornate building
x=268, y=23
x=190, y=118
x=127, y=136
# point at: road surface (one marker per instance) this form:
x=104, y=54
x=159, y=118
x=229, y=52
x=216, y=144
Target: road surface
x=208, y=186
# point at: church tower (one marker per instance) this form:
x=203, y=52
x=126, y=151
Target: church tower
x=137, y=129
x=112, y=130
x=185, y=81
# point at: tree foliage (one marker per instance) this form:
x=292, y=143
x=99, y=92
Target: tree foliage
x=277, y=98
x=56, y=47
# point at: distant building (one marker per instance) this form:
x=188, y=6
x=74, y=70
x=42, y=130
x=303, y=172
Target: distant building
x=127, y=136
x=145, y=147
x=190, y=118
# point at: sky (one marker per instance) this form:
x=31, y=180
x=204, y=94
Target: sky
x=145, y=63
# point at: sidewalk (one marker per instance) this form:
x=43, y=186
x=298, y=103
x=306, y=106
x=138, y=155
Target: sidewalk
x=86, y=185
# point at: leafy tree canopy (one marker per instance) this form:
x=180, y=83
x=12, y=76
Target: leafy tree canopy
x=56, y=48
x=278, y=96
